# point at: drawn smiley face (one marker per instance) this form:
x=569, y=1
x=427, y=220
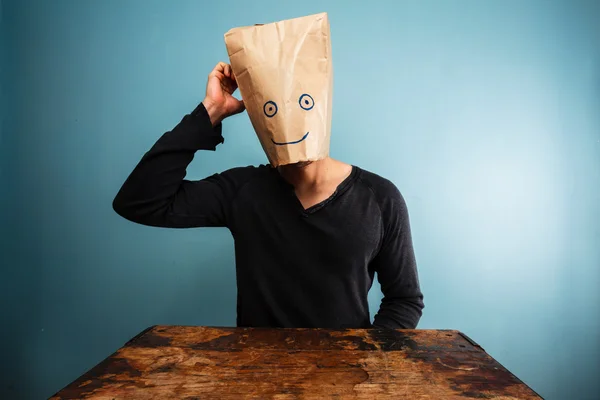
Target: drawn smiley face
x=305, y=101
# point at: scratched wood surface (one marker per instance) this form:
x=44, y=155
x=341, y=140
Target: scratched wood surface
x=168, y=362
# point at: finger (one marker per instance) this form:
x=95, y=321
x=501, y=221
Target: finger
x=219, y=69
x=232, y=85
x=228, y=85
x=227, y=70
x=239, y=106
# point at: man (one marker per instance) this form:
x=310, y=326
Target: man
x=309, y=236
x=310, y=231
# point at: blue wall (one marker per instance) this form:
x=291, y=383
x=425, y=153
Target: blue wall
x=12, y=271
x=484, y=113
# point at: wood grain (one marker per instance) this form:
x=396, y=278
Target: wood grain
x=178, y=362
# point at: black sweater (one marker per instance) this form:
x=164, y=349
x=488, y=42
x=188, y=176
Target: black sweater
x=295, y=267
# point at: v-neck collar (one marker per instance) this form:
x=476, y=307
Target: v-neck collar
x=342, y=187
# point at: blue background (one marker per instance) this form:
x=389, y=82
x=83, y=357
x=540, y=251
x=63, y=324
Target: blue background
x=484, y=113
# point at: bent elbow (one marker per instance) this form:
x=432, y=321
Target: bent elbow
x=118, y=206
x=140, y=213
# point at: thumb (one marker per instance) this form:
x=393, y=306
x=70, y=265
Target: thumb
x=238, y=106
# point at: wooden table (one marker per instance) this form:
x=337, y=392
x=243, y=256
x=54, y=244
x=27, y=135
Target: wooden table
x=166, y=362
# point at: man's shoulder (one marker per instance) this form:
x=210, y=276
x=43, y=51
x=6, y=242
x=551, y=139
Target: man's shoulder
x=247, y=171
x=382, y=187
x=386, y=194
x=244, y=177
x=246, y=174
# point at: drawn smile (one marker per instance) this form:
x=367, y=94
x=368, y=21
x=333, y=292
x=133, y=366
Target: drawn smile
x=286, y=143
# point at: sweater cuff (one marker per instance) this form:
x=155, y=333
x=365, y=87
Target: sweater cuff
x=211, y=136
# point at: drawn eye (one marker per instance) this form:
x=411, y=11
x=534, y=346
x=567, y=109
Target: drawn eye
x=270, y=109
x=306, y=102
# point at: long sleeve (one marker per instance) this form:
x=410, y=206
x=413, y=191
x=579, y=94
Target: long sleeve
x=396, y=267
x=156, y=193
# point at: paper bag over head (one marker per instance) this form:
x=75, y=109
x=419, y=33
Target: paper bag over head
x=285, y=78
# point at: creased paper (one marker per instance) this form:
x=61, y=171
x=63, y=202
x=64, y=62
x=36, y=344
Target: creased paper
x=285, y=77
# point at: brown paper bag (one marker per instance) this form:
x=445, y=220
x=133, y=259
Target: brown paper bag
x=285, y=78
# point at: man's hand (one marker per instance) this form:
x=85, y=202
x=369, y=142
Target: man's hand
x=219, y=100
